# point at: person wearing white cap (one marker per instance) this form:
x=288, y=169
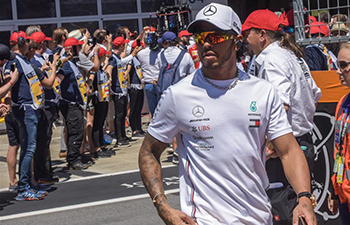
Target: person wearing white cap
x=221, y=117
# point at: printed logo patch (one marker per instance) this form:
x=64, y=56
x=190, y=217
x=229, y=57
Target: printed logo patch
x=253, y=106
x=254, y=123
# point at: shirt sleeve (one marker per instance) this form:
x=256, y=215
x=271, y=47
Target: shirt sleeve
x=38, y=72
x=278, y=124
x=64, y=70
x=164, y=125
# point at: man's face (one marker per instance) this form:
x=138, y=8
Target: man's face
x=185, y=40
x=344, y=72
x=127, y=32
x=214, y=56
x=252, y=38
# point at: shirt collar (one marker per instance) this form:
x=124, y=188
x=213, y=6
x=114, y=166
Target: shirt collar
x=261, y=57
x=346, y=103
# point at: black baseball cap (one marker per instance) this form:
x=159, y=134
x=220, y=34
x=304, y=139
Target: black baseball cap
x=5, y=53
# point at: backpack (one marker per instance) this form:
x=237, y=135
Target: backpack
x=169, y=74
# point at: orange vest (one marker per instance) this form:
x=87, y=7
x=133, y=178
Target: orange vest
x=342, y=189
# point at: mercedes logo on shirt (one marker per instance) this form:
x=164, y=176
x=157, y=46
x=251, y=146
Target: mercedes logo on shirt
x=210, y=10
x=198, y=111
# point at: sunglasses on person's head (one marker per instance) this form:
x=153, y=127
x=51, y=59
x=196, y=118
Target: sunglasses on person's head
x=215, y=37
x=343, y=64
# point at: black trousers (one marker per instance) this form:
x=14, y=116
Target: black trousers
x=42, y=166
x=136, y=104
x=101, y=110
x=120, y=106
x=74, y=118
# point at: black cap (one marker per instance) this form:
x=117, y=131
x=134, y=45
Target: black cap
x=5, y=53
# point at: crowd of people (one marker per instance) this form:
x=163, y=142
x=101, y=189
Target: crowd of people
x=234, y=100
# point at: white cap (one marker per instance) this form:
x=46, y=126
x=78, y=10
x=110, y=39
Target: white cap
x=76, y=34
x=221, y=16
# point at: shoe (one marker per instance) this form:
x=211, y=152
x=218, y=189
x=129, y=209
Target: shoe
x=110, y=151
x=123, y=144
x=48, y=180
x=41, y=187
x=13, y=188
x=102, y=154
x=107, y=138
x=86, y=159
x=129, y=139
x=138, y=135
x=40, y=193
x=27, y=195
x=62, y=154
x=78, y=165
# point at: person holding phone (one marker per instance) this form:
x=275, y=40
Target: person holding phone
x=42, y=174
x=6, y=54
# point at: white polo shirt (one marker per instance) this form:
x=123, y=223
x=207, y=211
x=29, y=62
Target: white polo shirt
x=221, y=141
x=294, y=85
x=147, y=59
x=171, y=53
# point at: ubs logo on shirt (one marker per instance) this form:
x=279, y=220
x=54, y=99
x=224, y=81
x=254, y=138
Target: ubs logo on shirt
x=200, y=128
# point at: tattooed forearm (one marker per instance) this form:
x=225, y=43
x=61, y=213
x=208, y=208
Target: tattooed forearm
x=149, y=164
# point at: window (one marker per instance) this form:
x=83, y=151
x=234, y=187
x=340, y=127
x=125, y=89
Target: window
x=6, y=10
x=150, y=22
x=27, y=9
x=5, y=37
x=46, y=28
x=78, y=7
x=91, y=26
x=118, y=6
x=112, y=26
x=154, y=5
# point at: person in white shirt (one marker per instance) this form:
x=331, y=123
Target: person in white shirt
x=221, y=117
x=297, y=90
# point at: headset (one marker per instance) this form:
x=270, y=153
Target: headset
x=21, y=41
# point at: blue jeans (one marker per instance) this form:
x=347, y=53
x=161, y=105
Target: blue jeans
x=152, y=97
x=344, y=213
x=28, y=119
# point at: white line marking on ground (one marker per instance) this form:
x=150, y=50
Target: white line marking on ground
x=79, y=206
x=96, y=176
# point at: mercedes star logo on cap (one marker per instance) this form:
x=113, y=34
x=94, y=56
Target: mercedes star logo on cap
x=198, y=111
x=210, y=10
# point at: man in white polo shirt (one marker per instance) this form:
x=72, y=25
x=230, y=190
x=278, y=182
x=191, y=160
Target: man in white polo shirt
x=221, y=117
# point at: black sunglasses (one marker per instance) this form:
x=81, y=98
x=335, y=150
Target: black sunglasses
x=343, y=64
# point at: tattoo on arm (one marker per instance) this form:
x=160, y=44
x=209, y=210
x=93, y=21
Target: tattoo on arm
x=149, y=163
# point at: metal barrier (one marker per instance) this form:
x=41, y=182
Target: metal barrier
x=304, y=13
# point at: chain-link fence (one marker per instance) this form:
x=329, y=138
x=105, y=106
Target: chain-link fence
x=332, y=25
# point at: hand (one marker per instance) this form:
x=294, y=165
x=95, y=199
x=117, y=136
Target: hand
x=97, y=49
x=332, y=205
x=136, y=50
x=4, y=109
x=14, y=75
x=109, y=38
x=155, y=81
x=172, y=216
x=45, y=66
x=305, y=210
x=56, y=57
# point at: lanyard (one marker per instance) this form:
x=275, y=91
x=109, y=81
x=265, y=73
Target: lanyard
x=342, y=130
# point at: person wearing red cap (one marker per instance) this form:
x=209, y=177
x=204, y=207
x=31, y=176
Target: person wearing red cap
x=72, y=104
x=223, y=117
x=120, y=82
x=99, y=85
x=28, y=100
x=318, y=56
x=184, y=39
x=43, y=174
x=281, y=67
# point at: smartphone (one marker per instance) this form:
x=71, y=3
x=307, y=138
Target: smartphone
x=138, y=42
x=302, y=221
x=13, y=67
x=59, y=51
x=124, y=35
x=50, y=58
x=75, y=51
x=108, y=32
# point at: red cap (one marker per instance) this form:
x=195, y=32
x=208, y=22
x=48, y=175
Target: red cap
x=313, y=19
x=263, y=19
x=103, y=52
x=132, y=34
x=15, y=35
x=39, y=37
x=72, y=41
x=118, y=41
x=153, y=29
x=134, y=44
x=319, y=27
x=184, y=33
